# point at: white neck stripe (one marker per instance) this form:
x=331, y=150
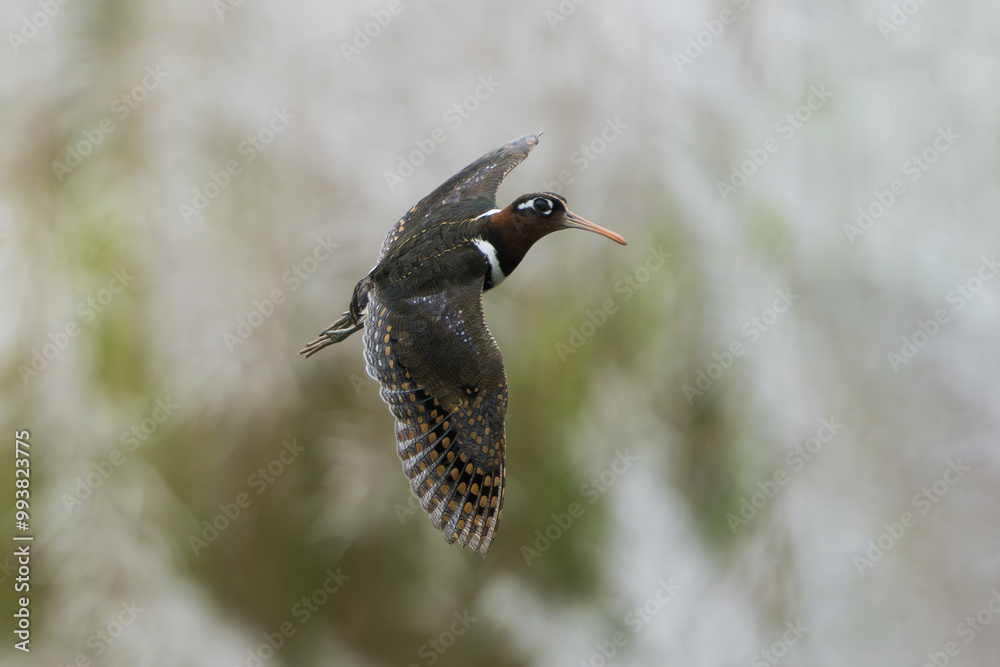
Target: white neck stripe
x=485, y=247
x=489, y=212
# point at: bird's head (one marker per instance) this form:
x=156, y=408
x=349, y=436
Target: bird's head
x=535, y=215
x=513, y=230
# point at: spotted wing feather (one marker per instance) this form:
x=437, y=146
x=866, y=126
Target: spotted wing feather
x=442, y=376
x=474, y=190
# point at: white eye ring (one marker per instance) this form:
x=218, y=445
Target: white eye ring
x=539, y=205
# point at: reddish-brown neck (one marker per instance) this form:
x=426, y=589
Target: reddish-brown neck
x=512, y=236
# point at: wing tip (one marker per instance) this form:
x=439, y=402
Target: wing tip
x=530, y=139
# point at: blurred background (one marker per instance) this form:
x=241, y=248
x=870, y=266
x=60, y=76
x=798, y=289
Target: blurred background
x=764, y=432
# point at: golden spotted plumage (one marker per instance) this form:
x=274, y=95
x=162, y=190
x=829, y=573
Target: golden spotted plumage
x=452, y=453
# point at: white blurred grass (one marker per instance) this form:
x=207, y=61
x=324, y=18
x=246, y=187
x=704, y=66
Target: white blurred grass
x=325, y=175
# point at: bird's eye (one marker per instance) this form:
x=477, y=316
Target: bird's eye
x=542, y=205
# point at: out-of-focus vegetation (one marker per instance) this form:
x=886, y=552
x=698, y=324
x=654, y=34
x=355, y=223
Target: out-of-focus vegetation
x=778, y=445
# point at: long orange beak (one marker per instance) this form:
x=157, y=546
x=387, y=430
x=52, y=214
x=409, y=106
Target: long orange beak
x=573, y=221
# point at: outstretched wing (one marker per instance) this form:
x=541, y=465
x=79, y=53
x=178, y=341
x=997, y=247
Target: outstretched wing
x=474, y=190
x=442, y=376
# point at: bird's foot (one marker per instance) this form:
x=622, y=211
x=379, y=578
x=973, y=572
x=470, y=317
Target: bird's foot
x=335, y=333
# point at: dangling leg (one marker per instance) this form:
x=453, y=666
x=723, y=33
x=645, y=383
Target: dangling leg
x=351, y=321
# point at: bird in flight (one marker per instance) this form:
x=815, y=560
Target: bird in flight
x=427, y=343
